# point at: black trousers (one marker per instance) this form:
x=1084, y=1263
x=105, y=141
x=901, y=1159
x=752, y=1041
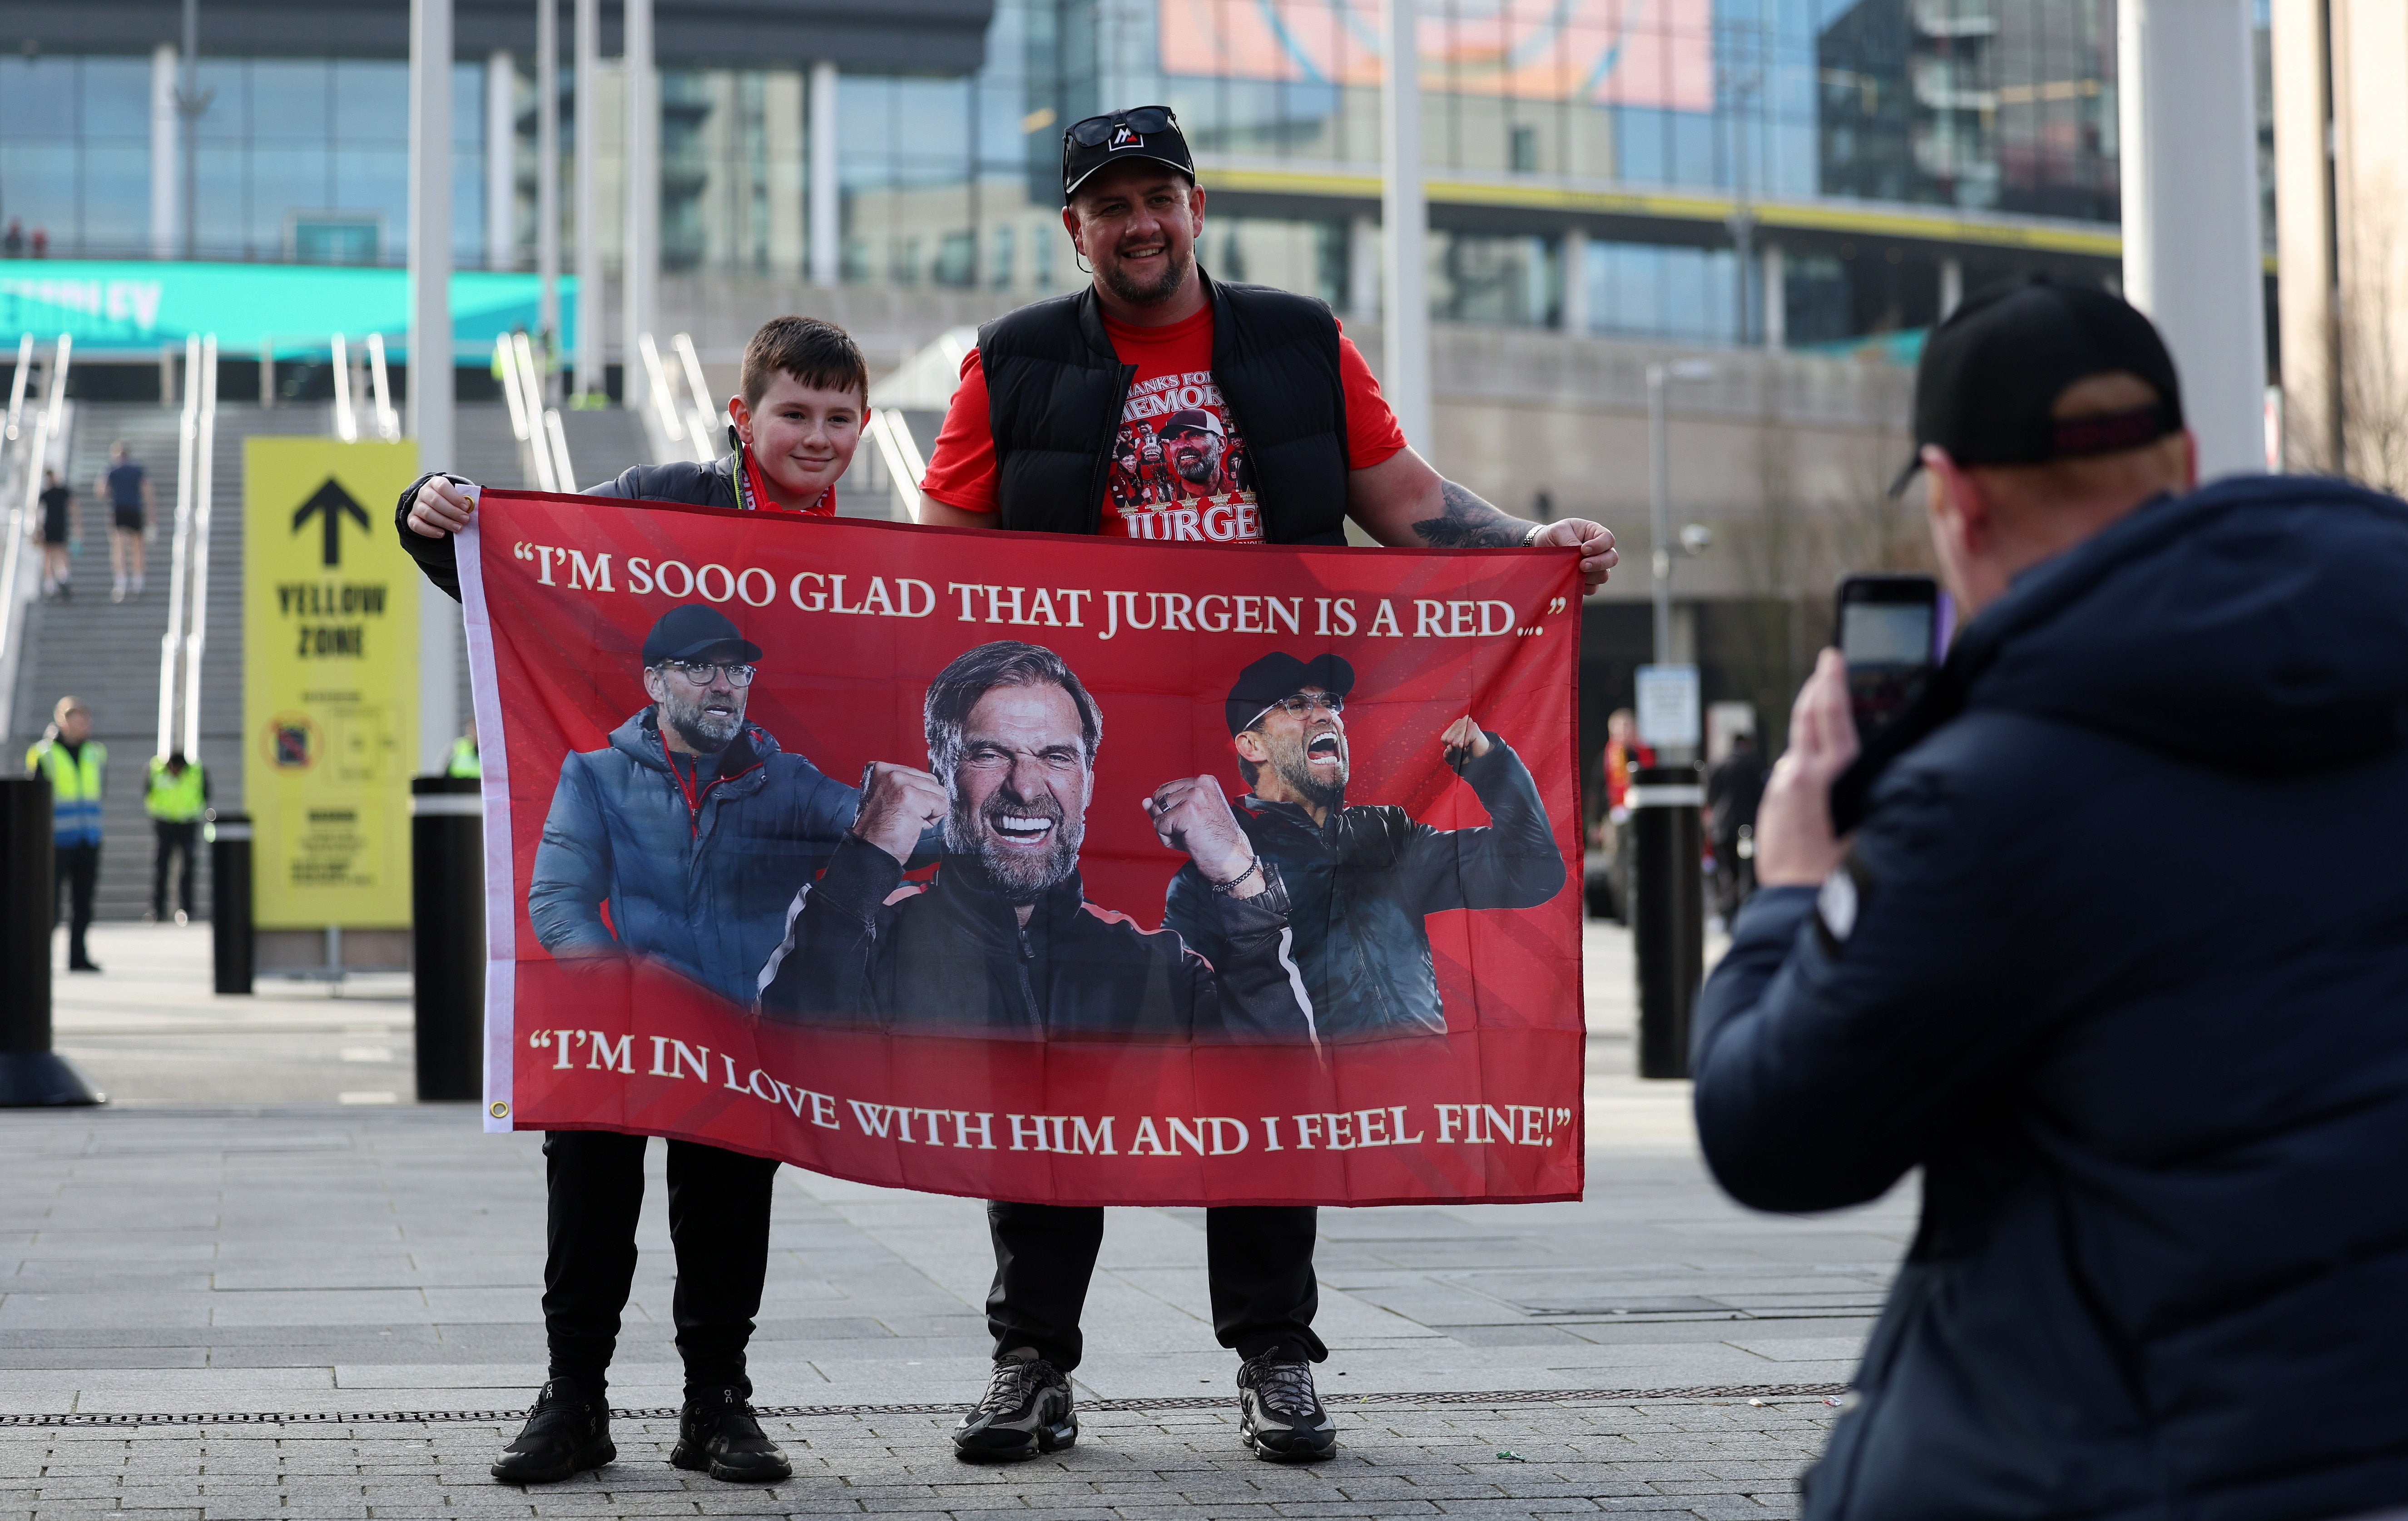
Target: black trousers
x=184, y=838
x=719, y=1223
x=78, y=871
x=1260, y=1259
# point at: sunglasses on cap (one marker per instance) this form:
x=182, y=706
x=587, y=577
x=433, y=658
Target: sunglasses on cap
x=1144, y=121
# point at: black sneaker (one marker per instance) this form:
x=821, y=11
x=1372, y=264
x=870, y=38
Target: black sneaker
x=567, y=1432
x=1279, y=1417
x=1026, y=1410
x=718, y=1435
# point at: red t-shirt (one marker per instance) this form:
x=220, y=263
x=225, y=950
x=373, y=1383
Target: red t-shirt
x=1179, y=467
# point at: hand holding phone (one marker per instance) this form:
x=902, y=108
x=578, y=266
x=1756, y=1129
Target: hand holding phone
x=1796, y=845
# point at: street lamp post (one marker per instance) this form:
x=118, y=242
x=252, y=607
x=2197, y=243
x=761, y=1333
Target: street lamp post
x=430, y=342
x=639, y=272
x=191, y=102
x=1404, y=211
x=1659, y=466
x=584, y=193
x=547, y=193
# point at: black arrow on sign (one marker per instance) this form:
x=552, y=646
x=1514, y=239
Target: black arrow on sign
x=330, y=502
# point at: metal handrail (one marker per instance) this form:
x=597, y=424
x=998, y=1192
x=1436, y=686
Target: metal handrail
x=171, y=643
x=388, y=422
x=347, y=420
x=506, y=359
x=203, y=489
x=29, y=505
x=900, y=453
x=564, y=480
x=526, y=411
x=674, y=431
x=17, y=387
x=550, y=442
x=707, y=423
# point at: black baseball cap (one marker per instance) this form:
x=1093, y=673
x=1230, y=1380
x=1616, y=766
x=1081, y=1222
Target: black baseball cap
x=1283, y=675
x=1993, y=370
x=1148, y=132
x=692, y=631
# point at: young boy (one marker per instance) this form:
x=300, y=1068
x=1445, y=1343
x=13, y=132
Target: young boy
x=804, y=401
x=798, y=418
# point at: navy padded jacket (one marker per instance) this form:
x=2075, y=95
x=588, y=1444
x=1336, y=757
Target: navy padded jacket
x=2127, y=977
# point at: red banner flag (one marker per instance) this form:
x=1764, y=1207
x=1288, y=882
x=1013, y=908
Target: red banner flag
x=1033, y=867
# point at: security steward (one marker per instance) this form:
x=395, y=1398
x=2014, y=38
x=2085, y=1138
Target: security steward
x=77, y=764
x=463, y=760
x=1029, y=443
x=176, y=794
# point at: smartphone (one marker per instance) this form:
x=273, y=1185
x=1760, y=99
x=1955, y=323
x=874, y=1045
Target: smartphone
x=1893, y=631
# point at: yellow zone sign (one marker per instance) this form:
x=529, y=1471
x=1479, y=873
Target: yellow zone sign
x=329, y=682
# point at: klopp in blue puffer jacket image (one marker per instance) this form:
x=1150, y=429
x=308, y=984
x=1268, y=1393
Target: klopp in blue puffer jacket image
x=692, y=828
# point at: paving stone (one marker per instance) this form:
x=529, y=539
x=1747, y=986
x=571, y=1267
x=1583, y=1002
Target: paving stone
x=314, y=1261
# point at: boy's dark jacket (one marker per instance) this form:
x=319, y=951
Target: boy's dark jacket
x=2127, y=977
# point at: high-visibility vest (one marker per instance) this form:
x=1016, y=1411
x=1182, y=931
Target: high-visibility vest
x=75, y=789
x=463, y=760
x=176, y=799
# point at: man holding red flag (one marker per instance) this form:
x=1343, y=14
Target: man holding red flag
x=1037, y=439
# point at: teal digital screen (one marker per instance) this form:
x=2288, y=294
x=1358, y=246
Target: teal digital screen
x=137, y=305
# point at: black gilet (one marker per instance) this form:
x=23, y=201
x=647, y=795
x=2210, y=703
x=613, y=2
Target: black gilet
x=1056, y=388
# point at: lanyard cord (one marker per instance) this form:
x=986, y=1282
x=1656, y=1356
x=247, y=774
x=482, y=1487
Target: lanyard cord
x=752, y=493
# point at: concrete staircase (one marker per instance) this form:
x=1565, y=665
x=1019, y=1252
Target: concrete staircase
x=108, y=653
x=601, y=444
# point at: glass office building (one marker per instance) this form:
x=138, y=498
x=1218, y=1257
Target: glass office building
x=1703, y=171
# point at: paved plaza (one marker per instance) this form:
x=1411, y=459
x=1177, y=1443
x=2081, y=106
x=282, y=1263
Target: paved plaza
x=263, y=1224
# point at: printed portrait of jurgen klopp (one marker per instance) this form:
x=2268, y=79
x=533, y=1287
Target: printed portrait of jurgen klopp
x=1361, y=878
x=1193, y=447
x=1004, y=942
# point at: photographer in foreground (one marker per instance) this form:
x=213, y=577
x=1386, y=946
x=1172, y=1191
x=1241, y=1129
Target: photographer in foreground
x=2107, y=935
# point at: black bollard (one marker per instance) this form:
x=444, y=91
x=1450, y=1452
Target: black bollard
x=447, y=934
x=31, y=1073
x=231, y=944
x=1668, y=912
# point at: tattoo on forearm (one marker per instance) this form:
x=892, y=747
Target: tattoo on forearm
x=1467, y=522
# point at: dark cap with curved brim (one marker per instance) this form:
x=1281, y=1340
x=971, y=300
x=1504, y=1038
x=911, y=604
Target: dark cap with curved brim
x=1990, y=376
x=1123, y=139
x=1283, y=675
x=693, y=631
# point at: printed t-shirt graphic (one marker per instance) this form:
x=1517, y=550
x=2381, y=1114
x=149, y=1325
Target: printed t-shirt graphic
x=1179, y=469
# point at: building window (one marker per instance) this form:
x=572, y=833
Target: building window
x=1525, y=150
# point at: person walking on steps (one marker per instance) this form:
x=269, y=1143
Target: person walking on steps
x=1279, y=434
x=128, y=486
x=798, y=412
x=57, y=532
x=176, y=796
x=76, y=764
